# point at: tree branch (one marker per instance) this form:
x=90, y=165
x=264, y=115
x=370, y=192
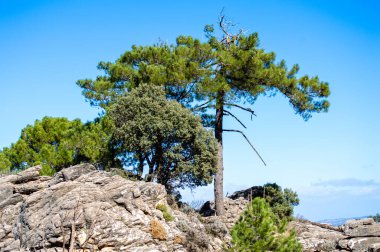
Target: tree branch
x=241, y=132
x=203, y=105
x=185, y=92
x=222, y=24
x=237, y=119
x=240, y=107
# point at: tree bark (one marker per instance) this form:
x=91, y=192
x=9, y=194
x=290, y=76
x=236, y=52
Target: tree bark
x=218, y=179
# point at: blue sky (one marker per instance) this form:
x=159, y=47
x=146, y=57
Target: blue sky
x=332, y=160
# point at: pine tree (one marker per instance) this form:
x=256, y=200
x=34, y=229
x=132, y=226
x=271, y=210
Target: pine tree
x=56, y=143
x=210, y=78
x=257, y=230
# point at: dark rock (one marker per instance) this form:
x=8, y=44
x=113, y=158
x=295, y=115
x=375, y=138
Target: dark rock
x=248, y=194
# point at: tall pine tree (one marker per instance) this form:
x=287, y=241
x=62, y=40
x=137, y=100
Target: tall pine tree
x=210, y=78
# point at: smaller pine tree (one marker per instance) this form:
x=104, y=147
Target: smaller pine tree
x=257, y=230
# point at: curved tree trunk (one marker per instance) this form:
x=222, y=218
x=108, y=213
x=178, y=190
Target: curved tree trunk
x=218, y=179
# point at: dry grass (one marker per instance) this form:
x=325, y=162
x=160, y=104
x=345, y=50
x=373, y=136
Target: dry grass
x=179, y=240
x=157, y=230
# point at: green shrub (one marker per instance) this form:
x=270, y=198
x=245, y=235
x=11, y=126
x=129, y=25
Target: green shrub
x=281, y=201
x=47, y=170
x=165, y=212
x=258, y=230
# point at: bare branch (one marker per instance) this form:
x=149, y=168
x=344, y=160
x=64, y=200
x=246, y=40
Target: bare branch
x=237, y=119
x=241, y=132
x=203, y=105
x=222, y=25
x=240, y=107
x=186, y=91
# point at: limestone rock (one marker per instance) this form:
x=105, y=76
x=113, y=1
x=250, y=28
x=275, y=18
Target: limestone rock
x=232, y=209
x=100, y=211
x=361, y=228
x=355, y=235
x=316, y=238
x=95, y=211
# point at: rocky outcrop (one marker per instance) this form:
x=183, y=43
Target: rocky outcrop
x=356, y=235
x=83, y=209
x=232, y=210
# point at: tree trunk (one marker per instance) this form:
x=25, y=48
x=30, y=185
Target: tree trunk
x=218, y=179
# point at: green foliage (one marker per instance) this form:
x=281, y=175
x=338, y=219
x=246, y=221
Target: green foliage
x=192, y=70
x=47, y=170
x=376, y=217
x=210, y=77
x=257, y=230
x=5, y=164
x=56, y=143
x=151, y=131
x=165, y=212
x=280, y=201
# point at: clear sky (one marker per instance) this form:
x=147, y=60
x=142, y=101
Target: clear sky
x=332, y=160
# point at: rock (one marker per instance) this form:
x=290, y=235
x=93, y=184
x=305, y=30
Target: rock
x=361, y=228
x=76, y=171
x=12, y=200
x=6, y=191
x=355, y=235
x=136, y=192
x=374, y=247
x=359, y=243
x=102, y=211
x=29, y=174
x=232, y=208
x=216, y=227
x=250, y=193
x=316, y=238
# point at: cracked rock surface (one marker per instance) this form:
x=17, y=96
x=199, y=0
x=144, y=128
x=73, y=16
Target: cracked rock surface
x=90, y=210
x=356, y=235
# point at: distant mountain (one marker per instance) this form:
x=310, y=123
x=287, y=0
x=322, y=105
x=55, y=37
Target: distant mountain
x=340, y=221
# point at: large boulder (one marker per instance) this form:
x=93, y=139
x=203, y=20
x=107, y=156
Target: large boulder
x=356, y=235
x=92, y=210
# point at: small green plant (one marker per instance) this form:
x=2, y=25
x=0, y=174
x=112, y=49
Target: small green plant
x=165, y=212
x=258, y=230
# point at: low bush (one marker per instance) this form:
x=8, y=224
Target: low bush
x=165, y=212
x=258, y=230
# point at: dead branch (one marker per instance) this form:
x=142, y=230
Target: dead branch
x=242, y=108
x=203, y=105
x=237, y=119
x=224, y=25
x=246, y=138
